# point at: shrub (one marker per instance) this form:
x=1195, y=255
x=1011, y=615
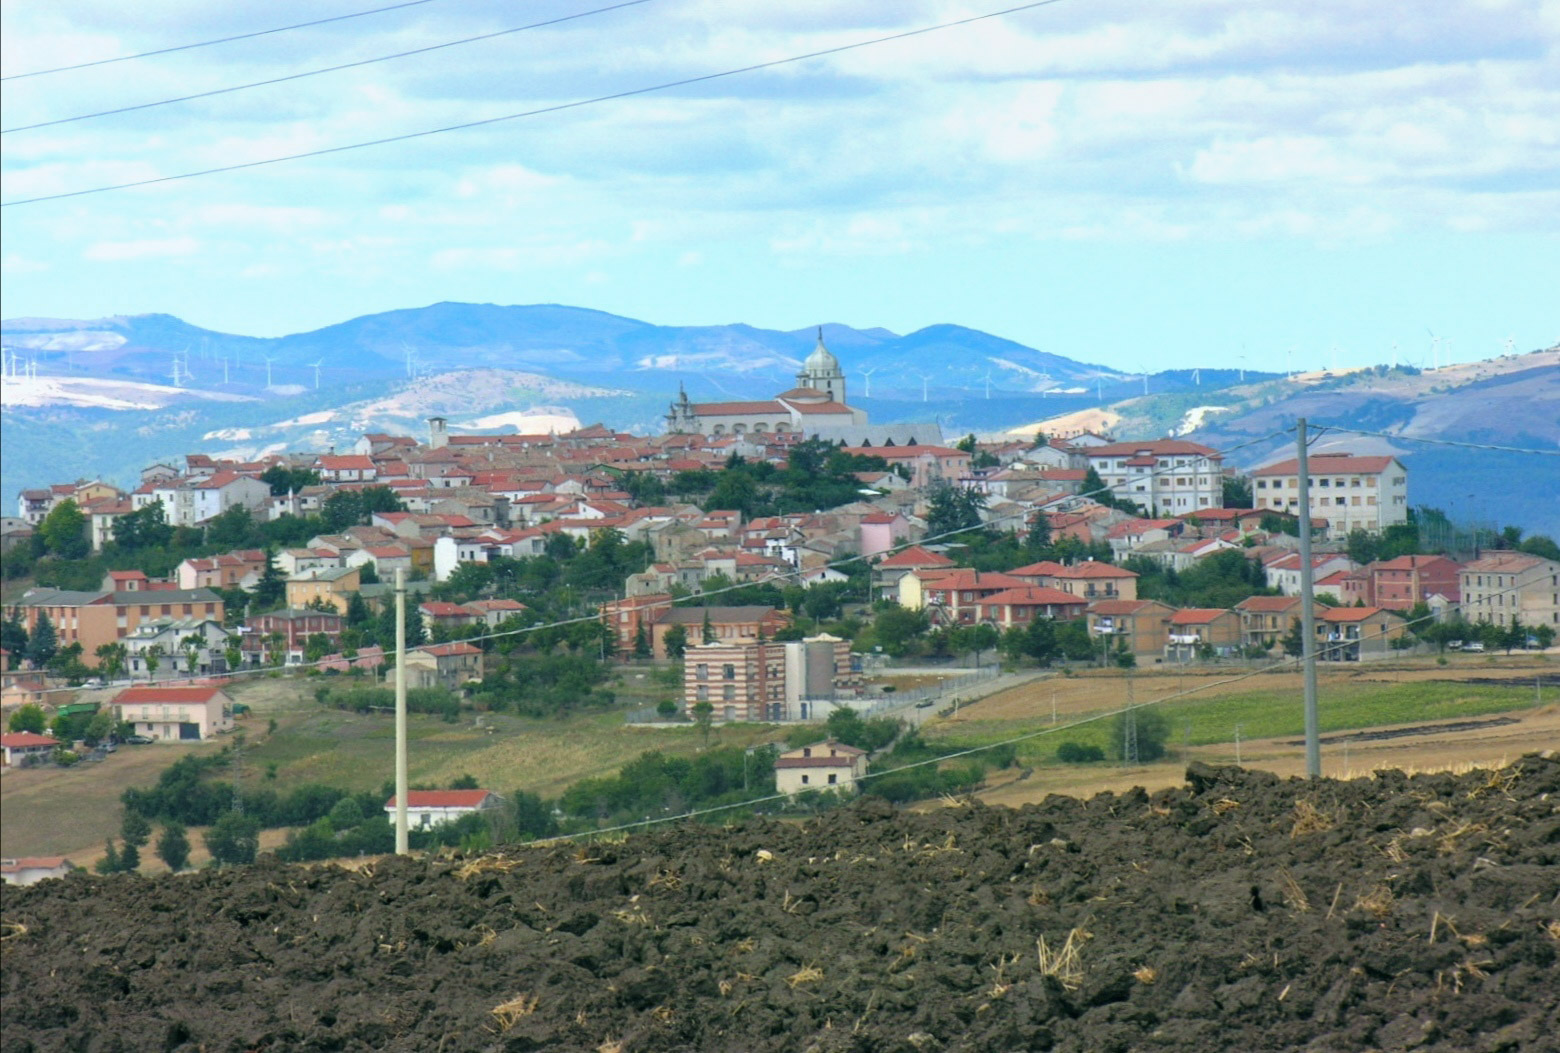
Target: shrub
x=1077, y=753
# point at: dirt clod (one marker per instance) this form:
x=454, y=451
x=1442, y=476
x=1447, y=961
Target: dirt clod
x=1407, y=913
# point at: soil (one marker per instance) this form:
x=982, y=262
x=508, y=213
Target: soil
x=1238, y=911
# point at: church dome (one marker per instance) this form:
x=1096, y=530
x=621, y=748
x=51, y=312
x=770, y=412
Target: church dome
x=821, y=360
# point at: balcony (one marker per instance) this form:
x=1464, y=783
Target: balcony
x=1184, y=640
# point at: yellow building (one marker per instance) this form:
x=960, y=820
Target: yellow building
x=333, y=585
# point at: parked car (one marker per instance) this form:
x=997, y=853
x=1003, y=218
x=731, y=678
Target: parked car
x=138, y=740
x=1477, y=647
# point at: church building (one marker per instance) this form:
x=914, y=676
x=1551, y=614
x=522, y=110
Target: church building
x=816, y=408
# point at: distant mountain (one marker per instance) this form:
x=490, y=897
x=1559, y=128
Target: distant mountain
x=569, y=342
x=161, y=386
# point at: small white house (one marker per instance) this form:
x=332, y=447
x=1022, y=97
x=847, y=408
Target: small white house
x=29, y=870
x=827, y=765
x=429, y=808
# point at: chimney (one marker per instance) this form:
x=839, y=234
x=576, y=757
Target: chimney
x=438, y=436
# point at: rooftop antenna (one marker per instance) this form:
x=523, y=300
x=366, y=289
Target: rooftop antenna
x=268, y=361
x=868, y=374
x=317, y=366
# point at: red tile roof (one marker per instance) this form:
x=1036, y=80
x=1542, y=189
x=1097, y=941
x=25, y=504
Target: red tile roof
x=450, y=650
x=1197, y=615
x=443, y=798
x=736, y=409
x=1329, y=464
x=16, y=740
x=1268, y=604
x=1034, y=595
x=916, y=556
x=166, y=695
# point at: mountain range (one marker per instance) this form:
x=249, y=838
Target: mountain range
x=102, y=397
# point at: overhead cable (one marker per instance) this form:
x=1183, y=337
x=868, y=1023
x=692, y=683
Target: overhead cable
x=539, y=111
x=219, y=40
x=326, y=69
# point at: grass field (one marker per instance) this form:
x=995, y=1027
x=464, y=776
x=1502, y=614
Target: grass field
x=70, y=811
x=1266, y=712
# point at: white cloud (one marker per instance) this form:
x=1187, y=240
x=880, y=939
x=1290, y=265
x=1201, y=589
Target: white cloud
x=142, y=249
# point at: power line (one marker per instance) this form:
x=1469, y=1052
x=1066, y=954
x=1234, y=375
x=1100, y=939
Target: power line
x=1443, y=442
x=539, y=111
x=219, y=40
x=326, y=69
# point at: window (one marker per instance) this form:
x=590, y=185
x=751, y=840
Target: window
x=702, y=694
x=805, y=779
x=833, y=779
x=729, y=692
x=728, y=672
x=701, y=671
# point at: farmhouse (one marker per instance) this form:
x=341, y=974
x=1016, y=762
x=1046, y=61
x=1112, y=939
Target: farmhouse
x=173, y=714
x=429, y=808
x=16, y=746
x=29, y=870
x=826, y=765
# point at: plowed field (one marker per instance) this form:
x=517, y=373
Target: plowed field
x=1238, y=912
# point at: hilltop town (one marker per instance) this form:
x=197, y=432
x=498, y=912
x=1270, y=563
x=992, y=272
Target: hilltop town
x=770, y=561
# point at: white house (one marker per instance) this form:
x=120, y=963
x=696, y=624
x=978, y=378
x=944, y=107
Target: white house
x=173, y=714
x=29, y=870
x=191, y=501
x=826, y=765
x=429, y=808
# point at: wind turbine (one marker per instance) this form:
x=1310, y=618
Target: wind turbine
x=988, y=383
x=317, y=366
x=1197, y=377
x=224, y=370
x=177, y=378
x=1394, y=355
x=1435, y=349
x=924, y=378
x=868, y=374
x=268, y=361
x=411, y=355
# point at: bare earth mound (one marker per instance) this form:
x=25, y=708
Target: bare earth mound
x=1238, y=912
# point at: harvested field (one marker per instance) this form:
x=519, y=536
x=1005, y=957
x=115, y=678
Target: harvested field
x=1239, y=911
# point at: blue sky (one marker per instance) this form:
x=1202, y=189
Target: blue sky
x=1143, y=185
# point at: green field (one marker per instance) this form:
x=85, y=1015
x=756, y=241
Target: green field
x=1260, y=714
x=313, y=744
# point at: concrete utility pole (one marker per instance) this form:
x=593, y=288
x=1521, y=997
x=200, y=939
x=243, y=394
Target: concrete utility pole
x=401, y=846
x=1313, y=744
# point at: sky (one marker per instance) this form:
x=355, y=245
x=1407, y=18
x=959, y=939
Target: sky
x=1149, y=186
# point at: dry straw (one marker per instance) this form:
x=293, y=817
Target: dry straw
x=515, y=1010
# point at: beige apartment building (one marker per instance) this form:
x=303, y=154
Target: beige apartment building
x=1507, y=585
x=1350, y=492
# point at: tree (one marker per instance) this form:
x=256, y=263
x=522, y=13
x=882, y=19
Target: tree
x=28, y=718
x=173, y=847
x=704, y=715
x=1545, y=635
x=135, y=830
x=234, y=528
x=111, y=658
x=675, y=641
x=641, y=642
x=64, y=531
x=288, y=480
x=43, y=644
x=1236, y=492
x=234, y=838
x=1153, y=732
x=357, y=608
x=271, y=587
x=109, y=864
x=13, y=636
x=898, y=629
x=1293, y=642
x=707, y=632
x=153, y=658
x=951, y=509
x=1038, y=540
x=129, y=859
x=99, y=728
